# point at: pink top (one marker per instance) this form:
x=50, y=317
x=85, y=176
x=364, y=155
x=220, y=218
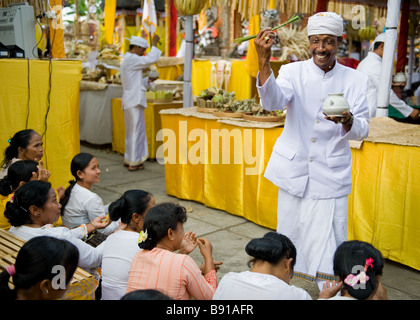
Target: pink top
x=176, y=275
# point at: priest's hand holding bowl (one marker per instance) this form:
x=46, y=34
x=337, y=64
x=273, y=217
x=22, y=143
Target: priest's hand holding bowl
x=337, y=110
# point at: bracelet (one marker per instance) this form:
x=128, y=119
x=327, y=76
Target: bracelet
x=350, y=120
x=96, y=229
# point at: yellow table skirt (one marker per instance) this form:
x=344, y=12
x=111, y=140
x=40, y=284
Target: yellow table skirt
x=383, y=205
x=28, y=101
x=170, y=72
x=153, y=124
x=385, y=200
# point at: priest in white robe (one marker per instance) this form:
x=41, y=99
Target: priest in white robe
x=311, y=161
x=372, y=67
x=134, y=99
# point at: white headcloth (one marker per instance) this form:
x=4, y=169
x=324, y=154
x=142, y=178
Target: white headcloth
x=138, y=41
x=379, y=38
x=325, y=23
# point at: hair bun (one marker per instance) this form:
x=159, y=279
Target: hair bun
x=117, y=208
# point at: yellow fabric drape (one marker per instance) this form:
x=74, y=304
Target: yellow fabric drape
x=4, y=222
x=385, y=201
x=53, y=113
x=109, y=20
x=383, y=205
x=170, y=72
x=251, y=61
x=56, y=31
x=231, y=187
x=240, y=82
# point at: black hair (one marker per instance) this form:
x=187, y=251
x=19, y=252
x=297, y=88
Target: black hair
x=350, y=258
x=159, y=219
x=132, y=201
x=146, y=294
x=34, y=192
x=79, y=162
x=17, y=172
x=21, y=139
x=377, y=44
x=273, y=247
x=35, y=261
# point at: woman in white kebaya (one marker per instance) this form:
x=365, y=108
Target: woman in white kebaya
x=80, y=205
x=32, y=212
x=273, y=260
x=121, y=246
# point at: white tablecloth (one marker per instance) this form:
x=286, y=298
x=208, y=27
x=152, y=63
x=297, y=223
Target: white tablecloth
x=95, y=115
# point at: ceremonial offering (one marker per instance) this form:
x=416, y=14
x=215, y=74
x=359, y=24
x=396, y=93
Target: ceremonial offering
x=335, y=105
x=228, y=114
x=159, y=96
x=269, y=118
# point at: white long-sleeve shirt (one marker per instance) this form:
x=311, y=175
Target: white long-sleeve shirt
x=312, y=156
x=84, y=206
x=132, y=75
x=119, y=251
x=371, y=66
x=89, y=257
x=249, y=285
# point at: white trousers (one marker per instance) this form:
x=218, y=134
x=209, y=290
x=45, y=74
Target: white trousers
x=316, y=227
x=136, y=150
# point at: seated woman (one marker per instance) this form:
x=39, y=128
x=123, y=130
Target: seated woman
x=24, y=145
x=32, y=273
x=33, y=210
x=359, y=266
x=80, y=205
x=18, y=173
x=121, y=246
x=273, y=260
x=158, y=267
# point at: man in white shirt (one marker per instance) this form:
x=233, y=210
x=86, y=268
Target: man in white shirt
x=311, y=161
x=134, y=99
x=372, y=66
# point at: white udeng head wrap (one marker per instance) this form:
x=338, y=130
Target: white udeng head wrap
x=379, y=38
x=325, y=23
x=138, y=41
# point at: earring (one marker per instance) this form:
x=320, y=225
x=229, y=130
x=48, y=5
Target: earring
x=46, y=291
x=38, y=214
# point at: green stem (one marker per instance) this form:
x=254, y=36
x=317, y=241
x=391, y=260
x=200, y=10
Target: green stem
x=292, y=19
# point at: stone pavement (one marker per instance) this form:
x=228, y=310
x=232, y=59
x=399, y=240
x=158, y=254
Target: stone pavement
x=228, y=233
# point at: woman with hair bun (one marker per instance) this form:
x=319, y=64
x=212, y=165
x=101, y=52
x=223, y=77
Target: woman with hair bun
x=359, y=266
x=33, y=211
x=272, y=263
x=18, y=173
x=24, y=145
x=33, y=272
x=159, y=267
x=121, y=246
